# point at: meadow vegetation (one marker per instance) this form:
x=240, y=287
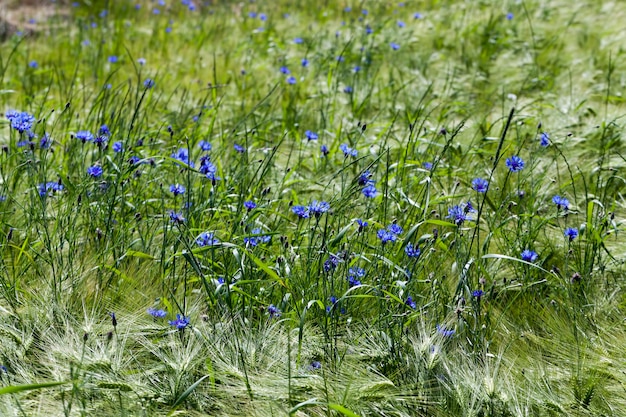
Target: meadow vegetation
x=311, y=208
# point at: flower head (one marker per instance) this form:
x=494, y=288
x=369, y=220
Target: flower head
x=480, y=185
x=369, y=191
x=348, y=151
x=239, y=148
x=362, y=224
x=157, y=313
x=182, y=155
x=20, y=121
x=515, y=163
x=409, y=302
x=205, y=146
x=177, y=189
x=177, y=217
x=310, y=135
x=571, y=233
x=331, y=263
x=529, y=255
x=477, y=293
x=84, y=136
x=318, y=207
x=118, y=147
x=273, y=311
x=181, y=322
x=206, y=239
x=249, y=205
x=301, y=211
x=412, y=251
x=444, y=331
x=148, y=83
x=561, y=202
x=386, y=236
x=94, y=171
x=544, y=139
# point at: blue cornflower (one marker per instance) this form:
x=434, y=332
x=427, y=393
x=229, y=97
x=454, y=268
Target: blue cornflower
x=515, y=163
x=401, y=24
x=348, y=89
x=315, y=365
x=395, y=229
x=239, y=148
x=262, y=17
x=33, y=64
x=305, y=62
x=571, y=233
x=176, y=217
x=318, y=207
x=285, y=70
x=356, y=69
x=118, y=147
x=205, y=146
x=357, y=272
x=157, y=313
x=181, y=322
x=113, y=59
x=529, y=255
x=409, y=302
x=509, y=16
x=94, y=171
x=386, y=236
x=364, y=178
x=249, y=205
x=141, y=61
x=20, y=121
x=544, y=139
x=101, y=140
x=412, y=251
x=417, y=16
x=427, y=165
x=459, y=213
x=104, y=130
x=298, y=40
x=177, y=189
x=444, y=331
x=291, y=80
x=206, y=239
x=561, y=202
x=369, y=191
x=49, y=188
x=301, y=211
x=368, y=30
x=133, y=160
x=480, y=185
x=148, y=83
x=477, y=293
x=362, y=224
x=255, y=240
x=45, y=142
x=324, y=150
x=273, y=311
x=209, y=169
x=310, y=135
x=182, y=155
x=348, y=151
x=353, y=281
x=331, y=263
x=394, y=46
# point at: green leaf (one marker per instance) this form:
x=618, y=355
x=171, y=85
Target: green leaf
x=343, y=410
x=186, y=394
x=13, y=389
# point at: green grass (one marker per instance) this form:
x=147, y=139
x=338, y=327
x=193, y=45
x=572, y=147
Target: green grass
x=466, y=90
